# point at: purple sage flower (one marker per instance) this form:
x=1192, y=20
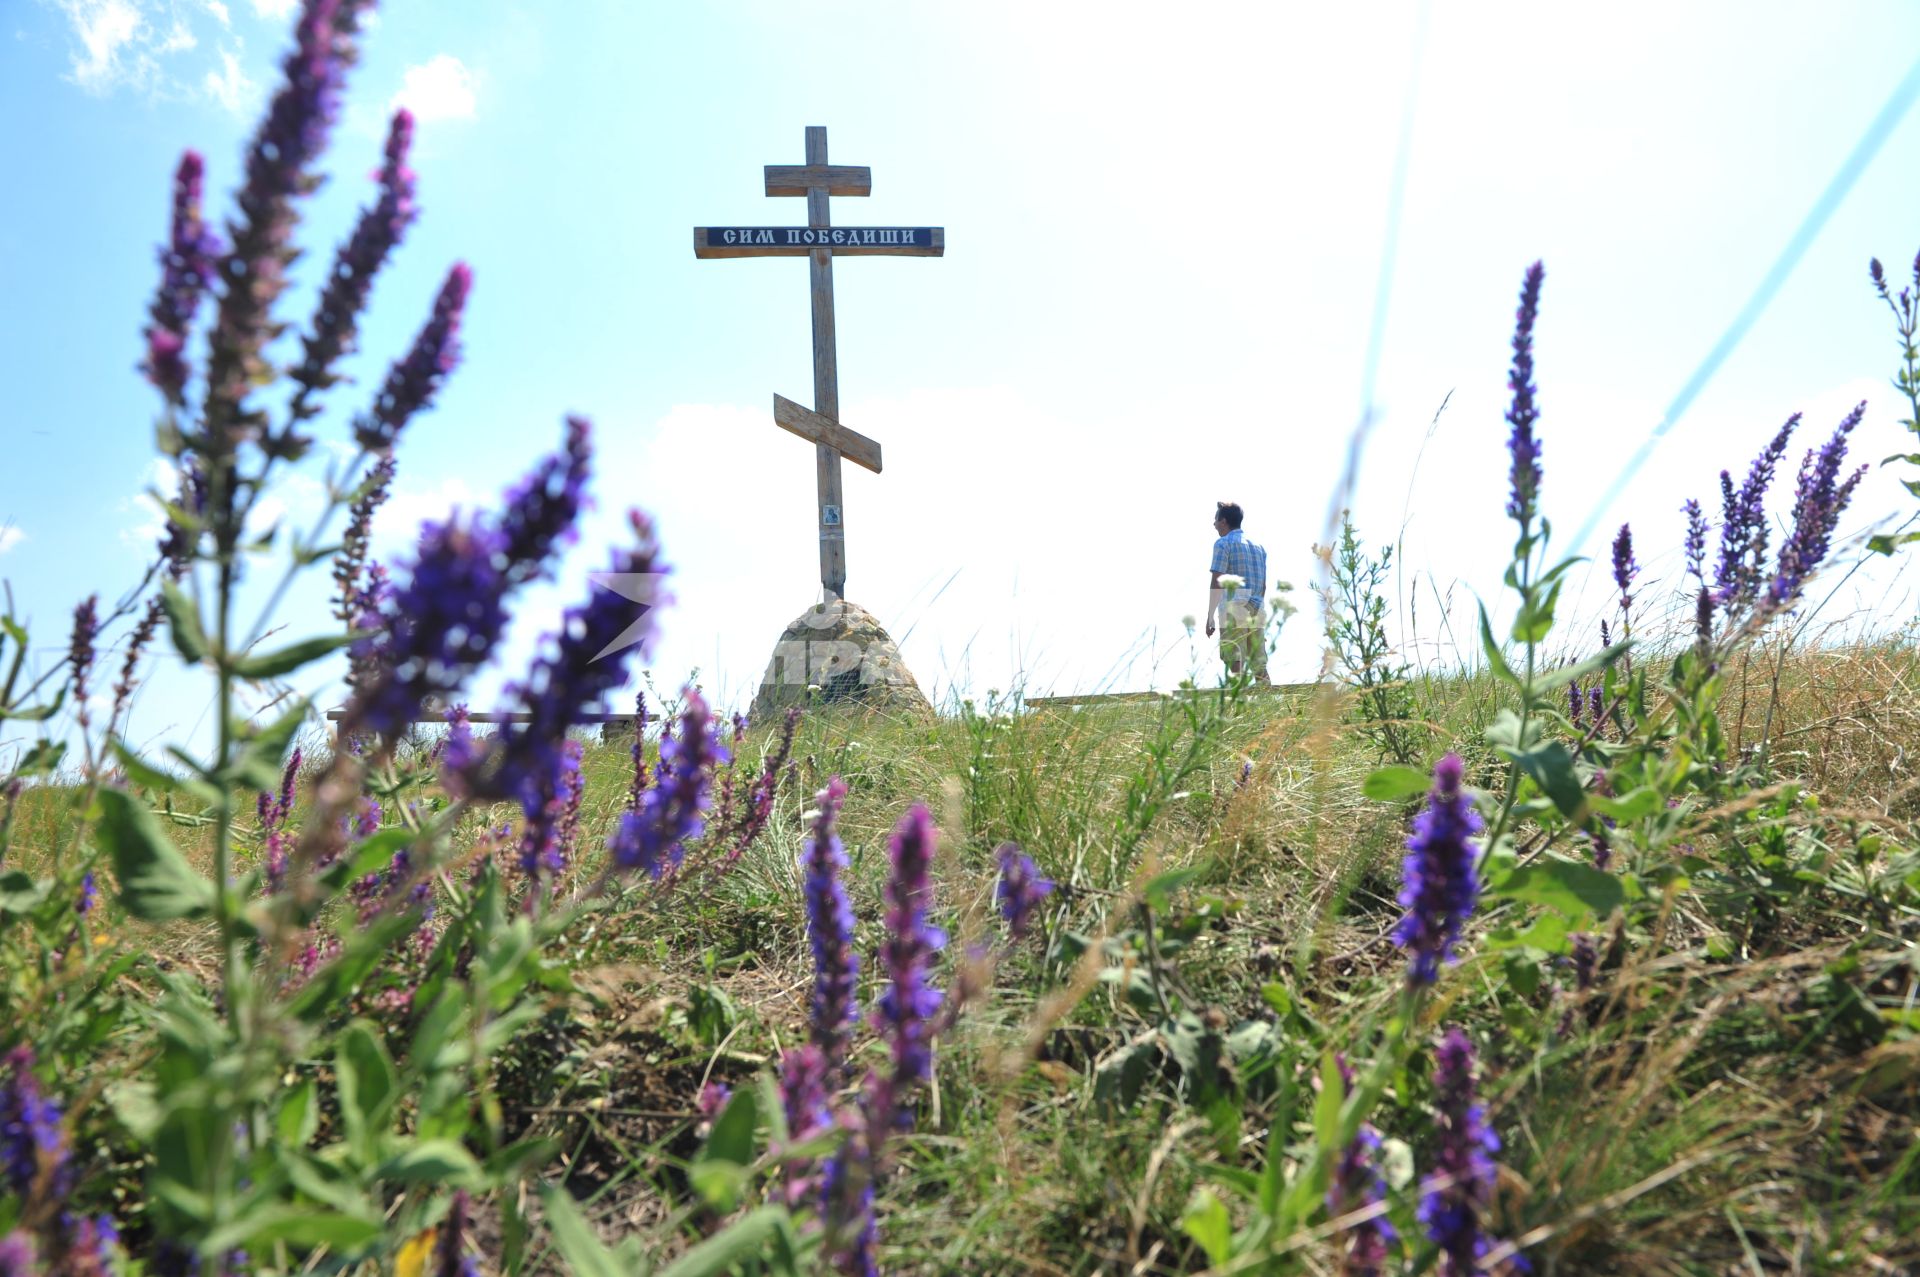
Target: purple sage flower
x=89, y=895
x=1696, y=545
x=80, y=653
x=337, y=316
x=1596, y=704
x=1573, y=704
x=450, y=1257
x=638, y=787
x=1364, y=1248
x=552, y=822
x=653, y=838
x=33, y=1143
x=350, y=563
x=1461, y=1186
x=86, y=1245
x=415, y=377
x=1819, y=500
x=588, y=661
x=186, y=271
x=275, y=810
x=1439, y=880
x=765, y=789
x=1624, y=568
x=1522, y=447
x=1740, y=571
x=254, y=272
x=1020, y=889
x=803, y=1099
x=16, y=1255
x=836, y=967
x=904, y=1012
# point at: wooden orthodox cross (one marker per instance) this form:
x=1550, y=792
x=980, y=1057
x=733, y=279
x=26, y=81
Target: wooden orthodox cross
x=821, y=241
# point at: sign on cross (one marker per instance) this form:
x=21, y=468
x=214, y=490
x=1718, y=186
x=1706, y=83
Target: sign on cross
x=821, y=241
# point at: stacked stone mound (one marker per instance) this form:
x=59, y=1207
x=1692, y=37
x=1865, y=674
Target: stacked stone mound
x=837, y=653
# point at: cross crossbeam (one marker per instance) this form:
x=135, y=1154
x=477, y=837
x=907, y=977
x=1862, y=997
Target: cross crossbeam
x=820, y=242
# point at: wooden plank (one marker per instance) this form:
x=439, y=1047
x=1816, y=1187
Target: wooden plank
x=502, y=716
x=814, y=428
x=826, y=383
x=838, y=179
x=710, y=242
x=1122, y=698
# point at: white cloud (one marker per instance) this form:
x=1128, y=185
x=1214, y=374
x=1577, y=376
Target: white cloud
x=219, y=11
x=179, y=39
x=229, y=86
x=274, y=8
x=10, y=536
x=105, y=29
x=441, y=88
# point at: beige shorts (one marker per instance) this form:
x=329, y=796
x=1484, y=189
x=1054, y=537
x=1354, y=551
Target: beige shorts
x=1243, y=635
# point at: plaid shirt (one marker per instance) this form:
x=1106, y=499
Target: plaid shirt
x=1236, y=555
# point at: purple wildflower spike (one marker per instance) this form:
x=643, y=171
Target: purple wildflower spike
x=1596, y=705
x=1696, y=544
x=186, y=270
x=1363, y=1249
x=416, y=377
x=88, y=897
x=638, y=788
x=254, y=273
x=33, y=1143
x=653, y=838
x=86, y=1244
x=274, y=809
x=1461, y=1187
x=836, y=967
x=1573, y=704
x=80, y=653
x=1624, y=568
x=1020, y=889
x=544, y=506
x=1818, y=502
x=587, y=661
x=760, y=801
x=904, y=1012
x=552, y=821
x=1439, y=880
x=1522, y=447
x=16, y=1255
x=1739, y=572
x=803, y=1098
x=336, y=318
x=356, y=542
x=450, y=1258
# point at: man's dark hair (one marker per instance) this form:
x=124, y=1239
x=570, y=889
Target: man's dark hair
x=1230, y=511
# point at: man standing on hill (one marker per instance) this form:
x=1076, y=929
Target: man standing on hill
x=1238, y=591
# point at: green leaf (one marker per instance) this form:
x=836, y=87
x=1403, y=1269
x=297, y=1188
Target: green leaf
x=1535, y=619
x=1636, y=804
x=1551, y=768
x=298, y=1119
x=1207, y=1222
x=1396, y=784
x=1326, y=1107
x=430, y=1162
x=369, y=1087
x=1571, y=673
x=744, y=1239
x=298, y=1226
x=261, y=764
x=1581, y=893
x=585, y=1255
x=183, y=623
x=732, y=1138
x=156, y=882
x=19, y=893
x=147, y=776
x=1161, y=889
x=39, y=713
x=41, y=760
x=1496, y=659
x=290, y=658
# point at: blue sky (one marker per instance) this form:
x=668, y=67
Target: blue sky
x=1164, y=233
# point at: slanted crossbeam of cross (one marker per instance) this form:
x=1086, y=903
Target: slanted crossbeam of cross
x=820, y=241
